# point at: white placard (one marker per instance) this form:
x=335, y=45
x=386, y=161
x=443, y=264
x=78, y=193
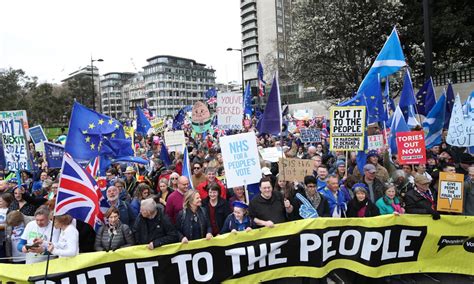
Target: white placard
x=272, y=154
x=174, y=140
x=16, y=114
x=229, y=111
x=241, y=160
x=15, y=145
x=303, y=114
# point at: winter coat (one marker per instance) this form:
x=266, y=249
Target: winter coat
x=222, y=210
x=184, y=223
x=122, y=237
x=355, y=205
x=162, y=233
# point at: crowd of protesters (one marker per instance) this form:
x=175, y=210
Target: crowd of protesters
x=155, y=205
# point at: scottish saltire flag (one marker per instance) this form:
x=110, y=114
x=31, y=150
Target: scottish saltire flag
x=187, y=168
x=87, y=130
x=211, y=93
x=164, y=155
x=54, y=155
x=93, y=167
x=78, y=194
x=407, y=97
x=449, y=105
x=247, y=102
x=433, y=124
x=389, y=60
x=411, y=117
x=143, y=124
x=271, y=120
x=425, y=98
x=261, y=82
x=398, y=125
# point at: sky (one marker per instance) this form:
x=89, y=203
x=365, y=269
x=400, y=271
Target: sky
x=51, y=38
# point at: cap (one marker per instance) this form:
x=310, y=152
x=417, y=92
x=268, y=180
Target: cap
x=370, y=168
x=130, y=170
x=240, y=204
x=266, y=171
x=372, y=153
x=421, y=179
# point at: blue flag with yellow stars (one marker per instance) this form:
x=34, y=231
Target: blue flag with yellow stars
x=143, y=124
x=87, y=130
x=54, y=155
x=425, y=98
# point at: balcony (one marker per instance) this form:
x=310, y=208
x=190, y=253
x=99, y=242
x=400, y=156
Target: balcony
x=245, y=3
x=250, y=17
x=246, y=10
x=250, y=26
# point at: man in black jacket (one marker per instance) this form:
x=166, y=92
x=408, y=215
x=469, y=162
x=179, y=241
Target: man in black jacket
x=153, y=227
x=420, y=200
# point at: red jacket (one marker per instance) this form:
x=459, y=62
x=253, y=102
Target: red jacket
x=201, y=188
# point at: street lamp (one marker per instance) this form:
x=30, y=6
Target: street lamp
x=241, y=63
x=92, y=74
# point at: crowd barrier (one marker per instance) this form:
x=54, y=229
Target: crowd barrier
x=375, y=247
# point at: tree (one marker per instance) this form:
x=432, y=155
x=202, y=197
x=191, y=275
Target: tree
x=14, y=87
x=80, y=88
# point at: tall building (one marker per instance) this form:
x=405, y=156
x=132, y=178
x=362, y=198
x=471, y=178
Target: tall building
x=134, y=94
x=266, y=29
x=173, y=82
x=112, y=100
x=87, y=72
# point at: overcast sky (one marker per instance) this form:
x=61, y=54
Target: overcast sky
x=52, y=38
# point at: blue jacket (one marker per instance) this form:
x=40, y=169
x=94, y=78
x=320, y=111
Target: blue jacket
x=231, y=223
x=339, y=206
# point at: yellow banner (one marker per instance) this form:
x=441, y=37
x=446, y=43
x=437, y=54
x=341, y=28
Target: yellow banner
x=375, y=247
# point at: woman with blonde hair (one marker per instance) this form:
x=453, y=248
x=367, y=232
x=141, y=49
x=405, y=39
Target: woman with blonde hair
x=68, y=242
x=173, y=182
x=164, y=192
x=192, y=221
x=114, y=235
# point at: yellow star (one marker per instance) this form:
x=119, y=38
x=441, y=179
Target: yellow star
x=111, y=121
x=84, y=131
x=92, y=146
x=88, y=139
x=357, y=101
x=372, y=97
x=117, y=126
x=112, y=135
x=101, y=121
x=91, y=125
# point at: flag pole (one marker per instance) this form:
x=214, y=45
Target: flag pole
x=47, y=252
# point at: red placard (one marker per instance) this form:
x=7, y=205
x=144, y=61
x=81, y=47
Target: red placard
x=300, y=123
x=411, y=148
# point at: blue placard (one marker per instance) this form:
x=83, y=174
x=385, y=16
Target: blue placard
x=37, y=134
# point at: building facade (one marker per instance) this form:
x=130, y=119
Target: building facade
x=266, y=27
x=111, y=93
x=173, y=82
x=167, y=84
x=90, y=73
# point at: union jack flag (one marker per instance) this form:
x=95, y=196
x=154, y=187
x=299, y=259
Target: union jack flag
x=212, y=100
x=324, y=129
x=93, y=167
x=78, y=194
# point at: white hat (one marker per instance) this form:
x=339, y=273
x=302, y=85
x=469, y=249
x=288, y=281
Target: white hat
x=266, y=171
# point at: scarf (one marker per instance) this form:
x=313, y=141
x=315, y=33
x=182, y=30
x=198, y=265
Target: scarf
x=315, y=200
x=427, y=195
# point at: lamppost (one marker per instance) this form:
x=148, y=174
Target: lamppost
x=92, y=75
x=241, y=63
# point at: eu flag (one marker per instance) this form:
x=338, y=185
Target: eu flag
x=54, y=155
x=143, y=124
x=425, y=98
x=449, y=105
x=87, y=130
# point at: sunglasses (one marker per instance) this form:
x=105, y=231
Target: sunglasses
x=197, y=168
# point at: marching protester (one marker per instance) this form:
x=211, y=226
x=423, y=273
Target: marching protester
x=390, y=203
x=114, y=235
x=16, y=223
x=238, y=195
x=127, y=216
x=21, y=204
x=164, y=191
x=238, y=220
x=6, y=200
x=192, y=221
x=374, y=185
x=361, y=205
x=143, y=191
x=335, y=197
x=310, y=199
x=176, y=200
x=211, y=178
x=420, y=200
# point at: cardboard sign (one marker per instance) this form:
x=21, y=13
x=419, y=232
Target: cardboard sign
x=303, y=114
x=15, y=145
x=272, y=154
x=310, y=135
x=375, y=142
x=347, y=128
x=38, y=137
x=295, y=169
x=411, y=147
x=450, y=192
x=229, y=111
x=174, y=140
x=241, y=161
x=16, y=114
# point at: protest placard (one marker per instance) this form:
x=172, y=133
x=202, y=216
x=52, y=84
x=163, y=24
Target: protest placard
x=272, y=154
x=375, y=142
x=303, y=114
x=461, y=127
x=308, y=135
x=38, y=137
x=295, y=169
x=229, y=111
x=347, y=128
x=174, y=140
x=241, y=161
x=16, y=114
x=450, y=192
x=411, y=147
x=15, y=146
